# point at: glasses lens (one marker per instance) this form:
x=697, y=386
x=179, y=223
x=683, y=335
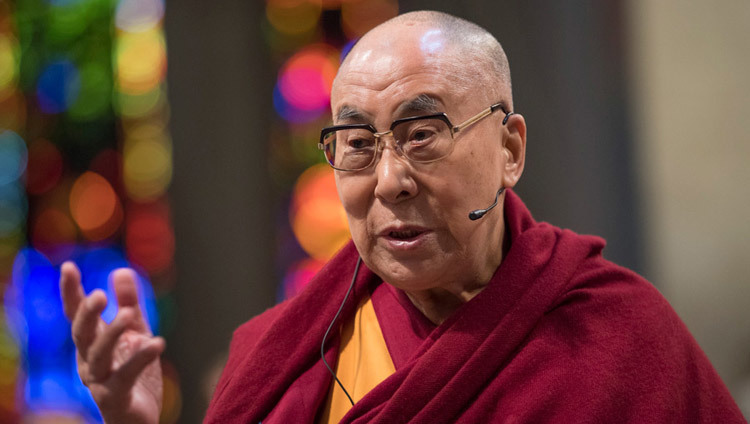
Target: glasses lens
x=350, y=149
x=424, y=140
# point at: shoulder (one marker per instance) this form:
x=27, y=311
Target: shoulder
x=610, y=307
x=618, y=339
x=599, y=283
x=246, y=336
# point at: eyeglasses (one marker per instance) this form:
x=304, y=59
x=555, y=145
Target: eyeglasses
x=420, y=139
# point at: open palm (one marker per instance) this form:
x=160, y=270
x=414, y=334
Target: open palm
x=118, y=362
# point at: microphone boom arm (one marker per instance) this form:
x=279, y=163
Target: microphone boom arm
x=474, y=215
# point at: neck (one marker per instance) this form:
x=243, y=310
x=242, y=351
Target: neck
x=439, y=303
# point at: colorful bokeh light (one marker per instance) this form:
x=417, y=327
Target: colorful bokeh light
x=8, y=64
x=95, y=90
x=108, y=164
x=147, y=168
x=70, y=72
x=290, y=113
x=13, y=207
x=9, y=373
x=171, y=395
x=148, y=237
x=68, y=18
x=299, y=275
x=35, y=293
x=293, y=17
x=13, y=110
x=139, y=105
x=141, y=61
x=318, y=219
x=58, y=86
x=360, y=16
x=306, y=78
x=45, y=167
x=303, y=90
x=95, y=207
x=138, y=15
x=13, y=156
x=9, y=245
x=54, y=234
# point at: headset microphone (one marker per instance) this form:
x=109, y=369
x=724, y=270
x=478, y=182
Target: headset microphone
x=474, y=215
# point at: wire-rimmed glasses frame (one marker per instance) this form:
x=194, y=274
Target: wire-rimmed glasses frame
x=398, y=144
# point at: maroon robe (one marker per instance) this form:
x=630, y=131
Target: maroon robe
x=558, y=335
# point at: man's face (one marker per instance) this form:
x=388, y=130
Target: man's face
x=410, y=221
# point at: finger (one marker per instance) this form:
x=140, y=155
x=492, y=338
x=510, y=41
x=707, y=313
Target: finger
x=87, y=321
x=126, y=289
x=70, y=289
x=128, y=372
x=101, y=351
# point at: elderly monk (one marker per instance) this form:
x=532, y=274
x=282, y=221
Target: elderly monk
x=437, y=312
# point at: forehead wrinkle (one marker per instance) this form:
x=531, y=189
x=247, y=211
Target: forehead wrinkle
x=448, y=81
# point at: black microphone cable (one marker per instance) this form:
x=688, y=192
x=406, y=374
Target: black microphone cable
x=325, y=336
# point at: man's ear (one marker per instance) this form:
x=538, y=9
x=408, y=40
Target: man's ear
x=514, y=148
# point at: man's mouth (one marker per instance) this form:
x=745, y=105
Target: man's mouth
x=404, y=238
x=404, y=234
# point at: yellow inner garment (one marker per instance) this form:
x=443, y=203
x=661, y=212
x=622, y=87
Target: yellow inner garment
x=364, y=362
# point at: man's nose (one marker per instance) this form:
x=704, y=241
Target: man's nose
x=394, y=173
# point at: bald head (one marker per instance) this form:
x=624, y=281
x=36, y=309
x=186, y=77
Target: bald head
x=477, y=57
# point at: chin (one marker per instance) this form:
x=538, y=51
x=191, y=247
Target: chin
x=409, y=277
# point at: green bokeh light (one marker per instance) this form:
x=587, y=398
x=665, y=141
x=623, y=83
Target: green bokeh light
x=138, y=105
x=67, y=22
x=94, y=98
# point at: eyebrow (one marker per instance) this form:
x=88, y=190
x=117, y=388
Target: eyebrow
x=350, y=113
x=422, y=104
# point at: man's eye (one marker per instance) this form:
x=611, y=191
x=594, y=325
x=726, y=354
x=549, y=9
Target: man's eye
x=359, y=143
x=421, y=136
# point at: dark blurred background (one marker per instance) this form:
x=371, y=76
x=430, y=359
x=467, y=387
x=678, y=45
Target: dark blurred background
x=180, y=139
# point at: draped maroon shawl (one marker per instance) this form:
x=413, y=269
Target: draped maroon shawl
x=559, y=335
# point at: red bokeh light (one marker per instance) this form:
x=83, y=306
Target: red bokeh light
x=45, y=167
x=108, y=164
x=149, y=240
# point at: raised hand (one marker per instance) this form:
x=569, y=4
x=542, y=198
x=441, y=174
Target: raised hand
x=118, y=362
